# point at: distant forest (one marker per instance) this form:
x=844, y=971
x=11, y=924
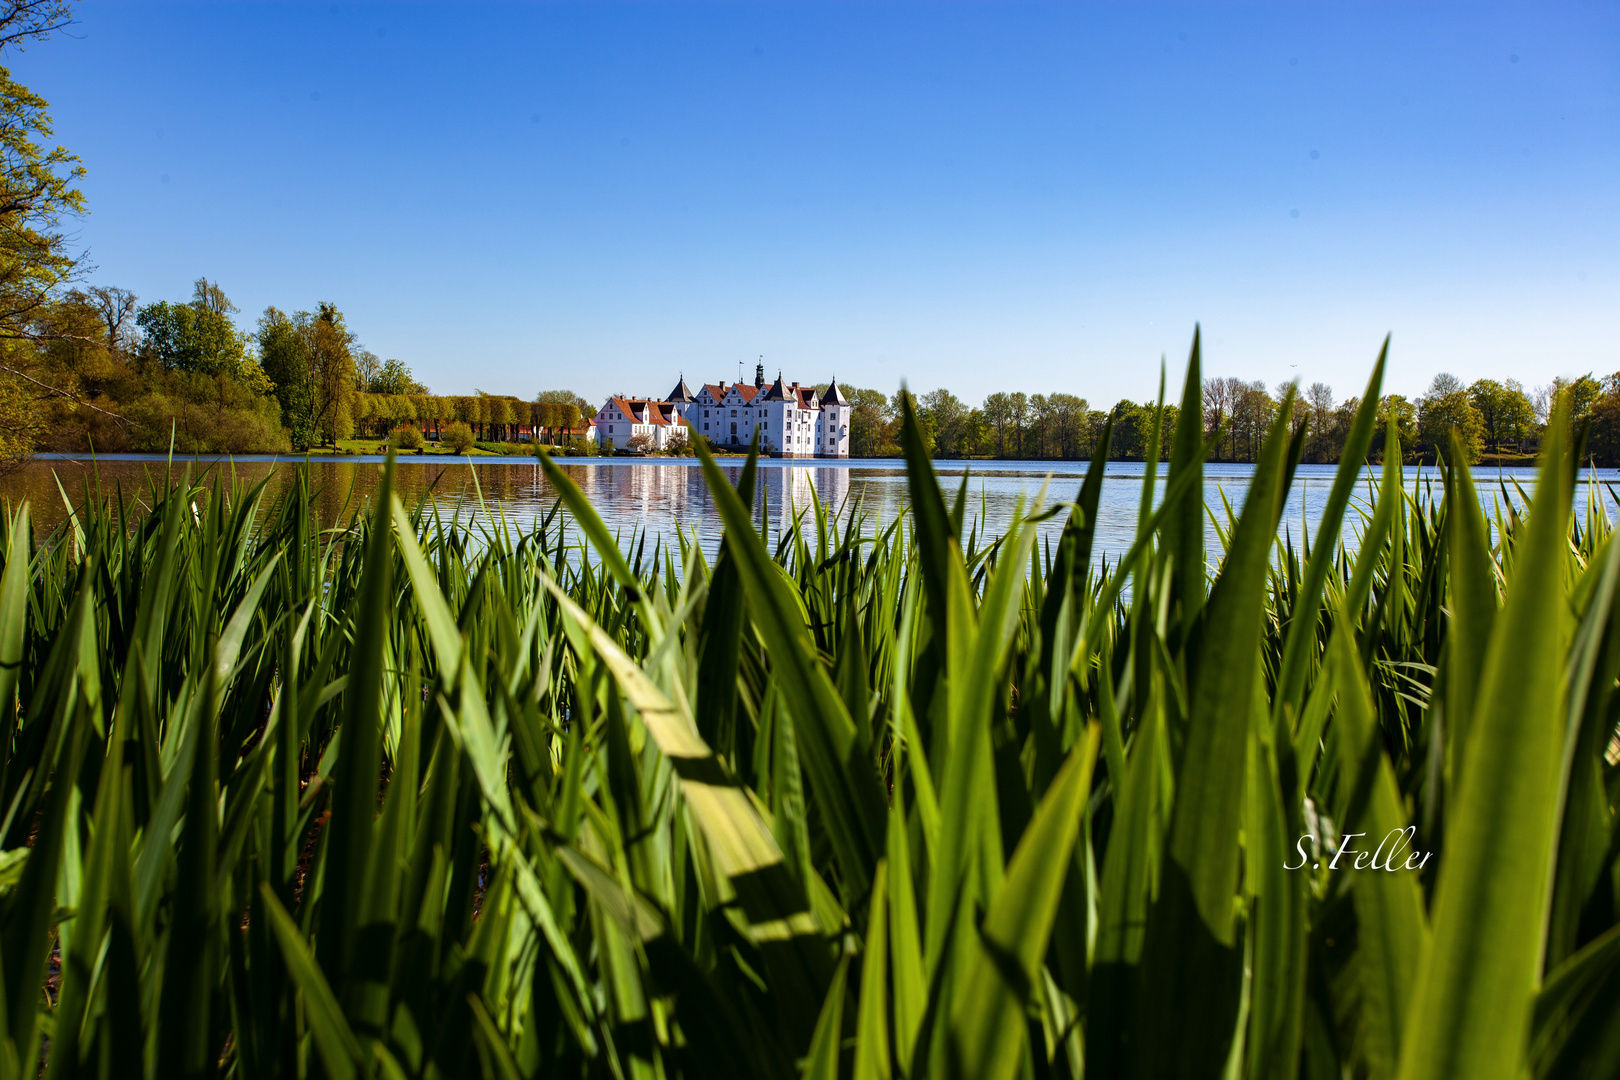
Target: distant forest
x=97, y=368
x=1487, y=416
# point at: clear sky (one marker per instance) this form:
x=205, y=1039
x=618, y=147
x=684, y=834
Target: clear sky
x=1006, y=196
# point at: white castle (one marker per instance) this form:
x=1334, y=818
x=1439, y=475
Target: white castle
x=792, y=421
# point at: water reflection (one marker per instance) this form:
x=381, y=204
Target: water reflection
x=659, y=497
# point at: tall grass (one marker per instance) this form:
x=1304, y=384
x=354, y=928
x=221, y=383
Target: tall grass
x=401, y=799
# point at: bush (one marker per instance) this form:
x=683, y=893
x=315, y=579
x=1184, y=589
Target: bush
x=205, y=428
x=458, y=438
x=408, y=437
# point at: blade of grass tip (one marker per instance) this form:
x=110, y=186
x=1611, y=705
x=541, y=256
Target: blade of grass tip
x=1302, y=619
x=933, y=524
x=339, y=1050
x=910, y=981
x=1150, y=458
x=1473, y=608
x=872, y=1019
x=1184, y=528
x=1191, y=960
x=987, y=1025
x=493, y=1053
x=828, y=1040
x=1476, y=983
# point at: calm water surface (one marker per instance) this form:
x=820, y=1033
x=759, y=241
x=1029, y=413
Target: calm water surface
x=660, y=496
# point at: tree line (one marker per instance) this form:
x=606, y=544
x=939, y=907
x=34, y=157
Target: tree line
x=111, y=373
x=1487, y=416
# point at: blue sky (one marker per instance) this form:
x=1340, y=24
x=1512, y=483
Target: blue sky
x=515, y=197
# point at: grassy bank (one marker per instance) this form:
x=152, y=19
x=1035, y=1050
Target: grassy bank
x=399, y=800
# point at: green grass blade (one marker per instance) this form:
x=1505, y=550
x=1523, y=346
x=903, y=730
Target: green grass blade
x=1476, y=984
x=987, y=1020
x=339, y=1050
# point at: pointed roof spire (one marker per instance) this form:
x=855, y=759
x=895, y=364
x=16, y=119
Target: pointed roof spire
x=834, y=396
x=680, y=393
x=777, y=392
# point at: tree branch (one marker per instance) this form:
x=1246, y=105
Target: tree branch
x=59, y=392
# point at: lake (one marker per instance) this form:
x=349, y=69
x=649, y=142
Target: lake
x=661, y=495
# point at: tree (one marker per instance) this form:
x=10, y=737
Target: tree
x=869, y=434
x=1394, y=408
x=284, y=355
x=998, y=415
x=328, y=343
x=1067, y=417
x=1444, y=385
x=309, y=356
x=945, y=413
x=1217, y=410
x=641, y=441
x=1131, y=425
x=388, y=376
x=37, y=194
x=1320, y=445
x=1504, y=409
x=116, y=308
x=1039, y=423
x=567, y=397
x=1449, y=419
x=1519, y=416
x=500, y=415
x=1583, y=392
x=1018, y=417
x=198, y=337
x=925, y=425
x=32, y=20
x=367, y=365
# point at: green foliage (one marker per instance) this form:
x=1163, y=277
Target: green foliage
x=1504, y=410
x=1447, y=420
x=408, y=437
x=183, y=337
x=457, y=438
x=393, y=377
x=310, y=358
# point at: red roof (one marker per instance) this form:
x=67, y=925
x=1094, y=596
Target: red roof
x=744, y=391
x=641, y=410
